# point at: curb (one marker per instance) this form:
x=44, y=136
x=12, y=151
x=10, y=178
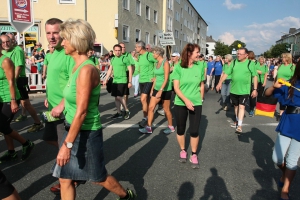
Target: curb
x=36, y=95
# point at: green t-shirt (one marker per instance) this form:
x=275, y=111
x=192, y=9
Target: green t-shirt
x=285, y=72
x=94, y=60
x=47, y=58
x=225, y=66
x=92, y=119
x=59, y=68
x=264, y=70
x=189, y=83
x=159, y=73
x=18, y=58
x=136, y=68
x=241, y=76
x=119, y=66
x=4, y=85
x=146, y=64
x=203, y=66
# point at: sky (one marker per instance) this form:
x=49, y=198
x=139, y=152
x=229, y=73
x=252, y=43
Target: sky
x=258, y=23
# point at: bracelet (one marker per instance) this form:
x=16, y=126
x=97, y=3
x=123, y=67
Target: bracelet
x=254, y=89
x=129, y=82
x=13, y=99
x=161, y=89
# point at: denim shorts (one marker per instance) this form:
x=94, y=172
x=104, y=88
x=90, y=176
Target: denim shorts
x=87, y=159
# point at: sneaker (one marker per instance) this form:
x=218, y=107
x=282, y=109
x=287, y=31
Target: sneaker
x=234, y=124
x=126, y=115
x=20, y=118
x=225, y=108
x=161, y=112
x=35, y=128
x=194, y=161
x=8, y=157
x=143, y=123
x=145, y=130
x=117, y=116
x=131, y=195
x=27, y=150
x=251, y=113
x=183, y=156
x=168, y=130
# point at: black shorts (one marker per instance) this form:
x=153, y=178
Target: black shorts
x=239, y=99
x=22, y=87
x=145, y=88
x=6, y=116
x=127, y=89
x=6, y=188
x=166, y=95
x=54, y=130
x=118, y=89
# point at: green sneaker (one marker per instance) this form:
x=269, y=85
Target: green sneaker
x=26, y=151
x=35, y=128
x=131, y=195
x=8, y=157
x=20, y=118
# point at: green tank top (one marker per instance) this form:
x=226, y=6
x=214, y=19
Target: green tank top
x=4, y=85
x=160, y=78
x=92, y=119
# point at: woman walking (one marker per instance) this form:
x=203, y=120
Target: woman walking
x=187, y=78
x=287, y=146
x=225, y=91
x=161, y=91
x=81, y=156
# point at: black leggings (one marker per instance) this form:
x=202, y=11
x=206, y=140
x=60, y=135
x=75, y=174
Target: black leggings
x=6, y=188
x=6, y=117
x=217, y=79
x=181, y=114
x=260, y=91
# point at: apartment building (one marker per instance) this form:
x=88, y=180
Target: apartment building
x=293, y=37
x=117, y=21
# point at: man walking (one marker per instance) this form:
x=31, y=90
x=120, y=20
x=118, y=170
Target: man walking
x=241, y=70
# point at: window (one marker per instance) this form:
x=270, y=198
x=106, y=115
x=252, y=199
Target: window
x=176, y=34
x=182, y=12
x=177, y=16
x=170, y=4
x=178, y=1
x=138, y=7
x=169, y=23
x=125, y=33
x=154, y=39
x=147, y=12
x=67, y=1
x=185, y=7
x=147, y=38
x=155, y=16
x=184, y=37
x=126, y=4
x=137, y=35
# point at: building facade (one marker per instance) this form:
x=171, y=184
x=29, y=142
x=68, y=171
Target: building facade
x=117, y=21
x=210, y=45
x=293, y=37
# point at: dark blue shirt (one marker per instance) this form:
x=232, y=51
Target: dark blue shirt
x=218, y=68
x=210, y=66
x=289, y=123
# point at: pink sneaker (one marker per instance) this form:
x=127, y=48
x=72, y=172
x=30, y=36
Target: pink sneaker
x=183, y=156
x=194, y=161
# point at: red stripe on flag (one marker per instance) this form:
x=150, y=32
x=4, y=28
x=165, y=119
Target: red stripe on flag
x=265, y=107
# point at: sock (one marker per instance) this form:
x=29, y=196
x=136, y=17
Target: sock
x=11, y=151
x=240, y=122
x=193, y=153
x=171, y=127
x=145, y=118
x=236, y=118
x=25, y=144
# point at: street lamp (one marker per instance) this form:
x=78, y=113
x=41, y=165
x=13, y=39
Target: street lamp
x=295, y=41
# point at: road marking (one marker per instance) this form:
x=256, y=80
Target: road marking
x=130, y=126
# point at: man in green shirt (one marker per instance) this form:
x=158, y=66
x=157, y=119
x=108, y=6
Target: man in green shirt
x=241, y=70
x=132, y=63
x=119, y=65
x=93, y=58
x=146, y=65
x=16, y=54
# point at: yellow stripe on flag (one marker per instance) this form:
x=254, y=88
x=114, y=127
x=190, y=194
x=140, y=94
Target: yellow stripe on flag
x=264, y=113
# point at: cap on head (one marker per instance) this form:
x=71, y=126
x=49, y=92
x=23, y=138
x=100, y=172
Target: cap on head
x=175, y=54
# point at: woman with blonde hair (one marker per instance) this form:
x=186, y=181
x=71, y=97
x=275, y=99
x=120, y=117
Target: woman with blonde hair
x=80, y=157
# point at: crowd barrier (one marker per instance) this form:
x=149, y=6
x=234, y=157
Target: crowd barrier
x=103, y=72
x=35, y=80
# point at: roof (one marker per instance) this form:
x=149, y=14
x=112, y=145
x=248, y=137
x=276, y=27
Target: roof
x=209, y=39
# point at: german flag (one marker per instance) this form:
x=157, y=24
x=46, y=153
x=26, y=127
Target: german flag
x=266, y=106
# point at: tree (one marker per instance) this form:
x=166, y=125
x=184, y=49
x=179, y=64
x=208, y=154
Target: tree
x=278, y=49
x=221, y=49
x=236, y=44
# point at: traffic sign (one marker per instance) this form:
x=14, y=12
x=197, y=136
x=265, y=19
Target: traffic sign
x=166, y=38
x=20, y=14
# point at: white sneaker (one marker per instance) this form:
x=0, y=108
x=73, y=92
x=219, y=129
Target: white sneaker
x=161, y=112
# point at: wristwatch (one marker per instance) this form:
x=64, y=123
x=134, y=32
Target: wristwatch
x=69, y=145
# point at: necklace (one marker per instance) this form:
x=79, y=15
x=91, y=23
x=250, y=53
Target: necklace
x=68, y=85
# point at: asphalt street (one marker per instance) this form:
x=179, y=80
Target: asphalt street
x=232, y=166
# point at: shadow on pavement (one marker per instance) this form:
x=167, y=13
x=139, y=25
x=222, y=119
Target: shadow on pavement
x=215, y=187
x=137, y=166
x=186, y=191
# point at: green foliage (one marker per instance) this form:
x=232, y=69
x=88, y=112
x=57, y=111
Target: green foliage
x=235, y=45
x=278, y=49
x=221, y=49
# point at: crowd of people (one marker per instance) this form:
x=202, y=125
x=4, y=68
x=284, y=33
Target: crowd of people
x=73, y=91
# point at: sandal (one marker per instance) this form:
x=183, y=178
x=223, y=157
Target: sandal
x=239, y=129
